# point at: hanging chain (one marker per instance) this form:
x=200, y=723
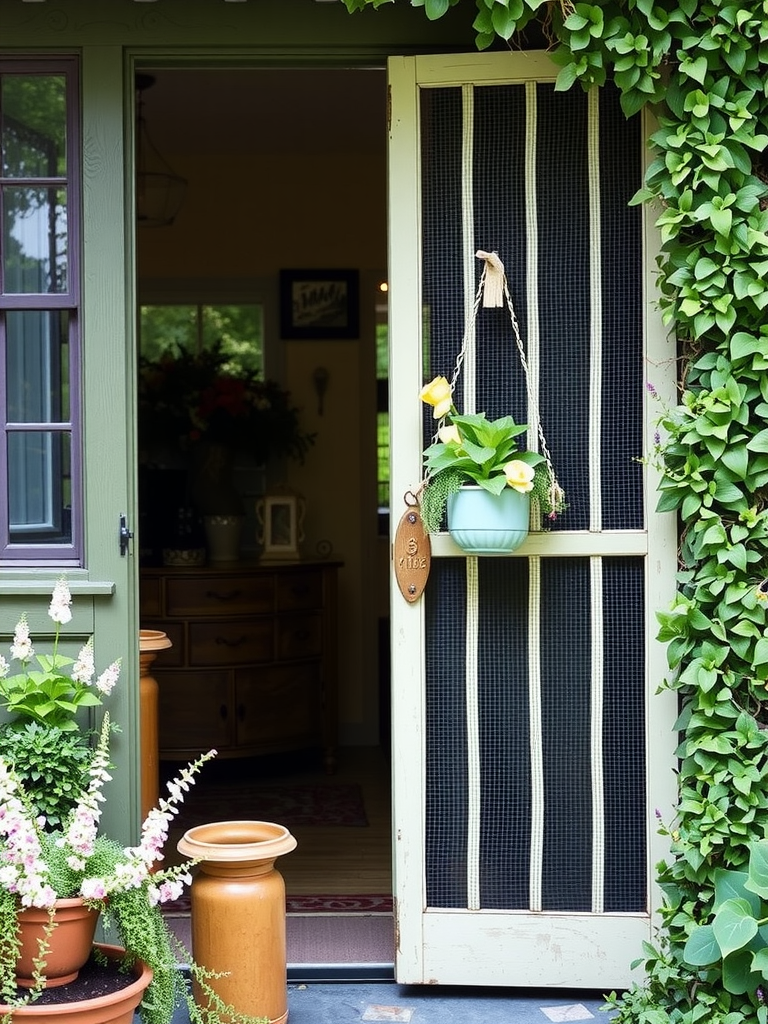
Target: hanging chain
x=493, y=291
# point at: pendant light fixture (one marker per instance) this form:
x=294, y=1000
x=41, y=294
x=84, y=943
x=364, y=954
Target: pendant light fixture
x=159, y=190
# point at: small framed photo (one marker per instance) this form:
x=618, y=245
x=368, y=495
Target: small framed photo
x=280, y=530
x=319, y=305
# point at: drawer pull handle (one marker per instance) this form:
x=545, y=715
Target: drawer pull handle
x=223, y=641
x=223, y=710
x=231, y=596
x=300, y=636
x=241, y=712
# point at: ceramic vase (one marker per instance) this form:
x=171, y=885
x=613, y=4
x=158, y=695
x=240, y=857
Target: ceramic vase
x=238, y=913
x=113, y=1008
x=482, y=523
x=223, y=535
x=69, y=943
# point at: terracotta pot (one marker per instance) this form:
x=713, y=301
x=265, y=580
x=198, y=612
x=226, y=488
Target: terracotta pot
x=114, y=1008
x=238, y=913
x=69, y=944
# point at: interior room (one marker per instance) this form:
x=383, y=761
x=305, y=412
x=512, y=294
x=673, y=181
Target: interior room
x=281, y=170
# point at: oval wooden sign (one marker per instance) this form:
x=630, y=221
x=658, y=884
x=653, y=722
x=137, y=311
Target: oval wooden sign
x=412, y=554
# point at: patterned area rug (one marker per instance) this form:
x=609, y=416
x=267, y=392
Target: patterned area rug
x=337, y=904
x=290, y=805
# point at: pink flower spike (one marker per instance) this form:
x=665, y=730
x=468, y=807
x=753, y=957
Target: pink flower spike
x=106, y=682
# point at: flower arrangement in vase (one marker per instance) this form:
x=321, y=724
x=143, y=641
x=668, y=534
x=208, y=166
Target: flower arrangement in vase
x=472, y=450
x=45, y=860
x=193, y=398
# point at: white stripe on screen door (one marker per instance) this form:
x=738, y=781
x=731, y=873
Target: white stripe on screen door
x=469, y=370
x=595, y=503
x=473, y=738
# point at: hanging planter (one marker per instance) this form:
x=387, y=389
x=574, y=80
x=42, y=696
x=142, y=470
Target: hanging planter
x=482, y=523
x=475, y=470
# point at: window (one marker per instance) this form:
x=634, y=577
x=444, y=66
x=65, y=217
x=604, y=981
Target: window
x=40, y=518
x=238, y=329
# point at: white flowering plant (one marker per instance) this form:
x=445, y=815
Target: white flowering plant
x=42, y=861
x=472, y=449
x=44, y=739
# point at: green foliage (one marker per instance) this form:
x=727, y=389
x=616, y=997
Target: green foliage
x=51, y=764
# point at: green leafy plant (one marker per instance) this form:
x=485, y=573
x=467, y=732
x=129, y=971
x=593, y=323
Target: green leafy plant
x=52, y=765
x=473, y=449
x=737, y=937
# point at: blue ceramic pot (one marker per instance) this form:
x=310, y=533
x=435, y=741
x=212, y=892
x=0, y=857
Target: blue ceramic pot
x=488, y=524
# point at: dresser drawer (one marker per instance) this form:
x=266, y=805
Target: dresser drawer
x=299, y=636
x=298, y=590
x=195, y=711
x=230, y=643
x=219, y=595
x=150, y=600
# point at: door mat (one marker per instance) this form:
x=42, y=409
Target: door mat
x=340, y=903
x=336, y=904
x=315, y=939
x=290, y=805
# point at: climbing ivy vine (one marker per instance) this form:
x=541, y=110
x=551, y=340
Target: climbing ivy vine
x=703, y=68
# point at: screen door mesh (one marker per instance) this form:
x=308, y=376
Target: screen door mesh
x=535, y=667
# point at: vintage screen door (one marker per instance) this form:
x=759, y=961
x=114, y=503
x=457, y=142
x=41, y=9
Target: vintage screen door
x=530, y=747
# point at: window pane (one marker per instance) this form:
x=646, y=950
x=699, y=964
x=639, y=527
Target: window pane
x=237, y=329
x=165, y=329
x=33, y=126
x=34, y=240
x=240, y=332
x=37, y=366
x=40, y=487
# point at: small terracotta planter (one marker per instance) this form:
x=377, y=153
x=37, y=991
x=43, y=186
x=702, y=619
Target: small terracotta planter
x=69, y=944
x=114, y=1008
x=238, y=913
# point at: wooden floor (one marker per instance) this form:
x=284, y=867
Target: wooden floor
x=347, y=860
x=333, y=860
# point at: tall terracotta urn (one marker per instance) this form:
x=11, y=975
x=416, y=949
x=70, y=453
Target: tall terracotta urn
x=238, y=913
x=151, y=641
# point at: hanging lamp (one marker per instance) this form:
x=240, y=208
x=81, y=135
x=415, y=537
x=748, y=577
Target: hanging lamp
x=159, y=190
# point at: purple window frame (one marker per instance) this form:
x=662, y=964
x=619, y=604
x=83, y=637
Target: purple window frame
x=40, y=553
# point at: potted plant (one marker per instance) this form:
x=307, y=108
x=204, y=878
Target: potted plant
x=477, y=473
x=55, y=870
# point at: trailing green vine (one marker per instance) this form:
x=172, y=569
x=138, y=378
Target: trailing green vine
x=702, y=67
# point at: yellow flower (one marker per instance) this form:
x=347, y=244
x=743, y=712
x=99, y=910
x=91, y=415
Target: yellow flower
x=438, y=394
x=519, y=476
x=449, y=435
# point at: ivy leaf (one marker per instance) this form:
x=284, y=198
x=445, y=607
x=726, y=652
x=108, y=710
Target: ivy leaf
x=759, y=442
x=696, y=69
x=757, y=881
x=760, y=657
x=734, y=926
x=702, y=948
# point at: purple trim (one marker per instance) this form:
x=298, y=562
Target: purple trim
x=72, y=553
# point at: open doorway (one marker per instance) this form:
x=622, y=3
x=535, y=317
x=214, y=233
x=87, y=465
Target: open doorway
x=284, y=169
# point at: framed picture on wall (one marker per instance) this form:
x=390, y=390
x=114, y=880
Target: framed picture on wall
x=319, y=305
